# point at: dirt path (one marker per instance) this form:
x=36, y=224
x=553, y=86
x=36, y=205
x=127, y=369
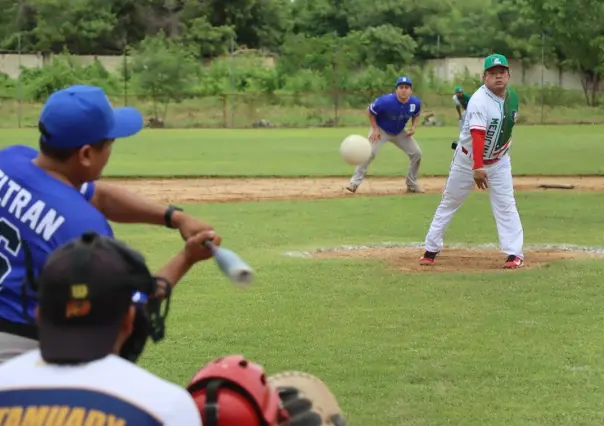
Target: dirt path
x=227, y=190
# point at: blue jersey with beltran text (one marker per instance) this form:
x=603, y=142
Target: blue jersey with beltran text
x=45, y=213
x=392, y=115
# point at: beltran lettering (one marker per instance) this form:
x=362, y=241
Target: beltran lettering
x=57, y=415
x=42, y=220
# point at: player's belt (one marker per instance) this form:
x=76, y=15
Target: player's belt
x=485, y=162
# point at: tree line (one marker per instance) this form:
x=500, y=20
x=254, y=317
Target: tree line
x=320, y=35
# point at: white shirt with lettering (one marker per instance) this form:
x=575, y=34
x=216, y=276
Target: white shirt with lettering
x=486, y=111
x=110, y=391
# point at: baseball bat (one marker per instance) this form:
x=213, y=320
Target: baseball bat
x=231, y=264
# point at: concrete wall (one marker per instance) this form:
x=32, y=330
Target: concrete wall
x=9, y=62
x=445, y=69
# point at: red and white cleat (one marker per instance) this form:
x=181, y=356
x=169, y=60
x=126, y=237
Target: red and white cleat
x=513, y=262
x=428, y=258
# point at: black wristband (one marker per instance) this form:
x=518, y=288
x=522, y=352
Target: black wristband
x=168, y=215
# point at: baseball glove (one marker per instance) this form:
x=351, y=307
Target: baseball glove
x=307, y=400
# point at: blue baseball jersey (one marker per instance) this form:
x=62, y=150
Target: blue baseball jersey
x=392, y=115
x=41, y=211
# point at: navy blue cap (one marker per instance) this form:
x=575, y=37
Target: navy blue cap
x=81, y=115
x=403, y=80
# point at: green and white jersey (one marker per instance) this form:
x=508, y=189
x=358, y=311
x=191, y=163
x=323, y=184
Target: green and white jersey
x=496, y=116
x=463, y=102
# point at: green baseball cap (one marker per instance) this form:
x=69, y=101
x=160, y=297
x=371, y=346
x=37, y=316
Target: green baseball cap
x=458, y=89
x=495, y=60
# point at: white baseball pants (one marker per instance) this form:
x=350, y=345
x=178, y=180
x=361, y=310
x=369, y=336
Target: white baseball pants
x=501, y=193
x=407, y=144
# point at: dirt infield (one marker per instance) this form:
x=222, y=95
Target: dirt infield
x=227, y=190
x=454, y=260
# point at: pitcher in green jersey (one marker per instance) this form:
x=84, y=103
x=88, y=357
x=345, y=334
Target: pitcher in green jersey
x=482, y=158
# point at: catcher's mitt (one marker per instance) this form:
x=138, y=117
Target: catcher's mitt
x=308, y=400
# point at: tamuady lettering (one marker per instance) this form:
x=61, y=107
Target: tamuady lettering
x=56, y=415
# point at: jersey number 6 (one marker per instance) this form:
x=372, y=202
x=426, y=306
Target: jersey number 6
x=10, y=240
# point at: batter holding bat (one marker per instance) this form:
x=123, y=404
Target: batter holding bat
x=51, y=196
x=482, y=159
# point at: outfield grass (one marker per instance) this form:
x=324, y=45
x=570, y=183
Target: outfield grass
x=519, y=348
x=545, y=150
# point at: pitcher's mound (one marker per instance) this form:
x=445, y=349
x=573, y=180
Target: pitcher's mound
x=454, y=259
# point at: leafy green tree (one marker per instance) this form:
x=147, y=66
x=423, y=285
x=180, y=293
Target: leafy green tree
x=79, y=27
x=206, y=39
x=320, y=17
x=164, y=69
x=387, y=45
x=258, y=24
x=576, y=28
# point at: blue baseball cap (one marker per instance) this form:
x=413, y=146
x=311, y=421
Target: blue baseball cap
x=403, y=80
x=81, y=115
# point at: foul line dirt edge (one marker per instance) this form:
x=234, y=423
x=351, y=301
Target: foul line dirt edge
x=229, y=190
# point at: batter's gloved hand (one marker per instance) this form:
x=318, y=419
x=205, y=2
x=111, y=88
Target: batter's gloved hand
x=454, y=145
x=307, y=400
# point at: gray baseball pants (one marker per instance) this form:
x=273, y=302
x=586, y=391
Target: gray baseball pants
x=407, y=144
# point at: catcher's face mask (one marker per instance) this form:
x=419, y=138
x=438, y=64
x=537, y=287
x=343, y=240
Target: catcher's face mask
x=232, y=391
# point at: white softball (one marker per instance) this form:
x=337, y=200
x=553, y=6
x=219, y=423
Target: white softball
x=355, y=149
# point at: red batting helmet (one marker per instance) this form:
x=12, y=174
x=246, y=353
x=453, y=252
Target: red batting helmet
x=231, y=391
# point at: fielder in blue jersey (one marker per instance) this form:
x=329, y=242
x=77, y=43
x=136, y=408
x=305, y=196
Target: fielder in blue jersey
x=388, y=116
x=49, y=197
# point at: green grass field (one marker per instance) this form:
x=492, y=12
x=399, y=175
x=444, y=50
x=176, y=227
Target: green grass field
x=499, y=348
x=538, y=150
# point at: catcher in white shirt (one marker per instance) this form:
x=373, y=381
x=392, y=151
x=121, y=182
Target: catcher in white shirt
x=482, y=158
x=109, y=391
x=91, y=329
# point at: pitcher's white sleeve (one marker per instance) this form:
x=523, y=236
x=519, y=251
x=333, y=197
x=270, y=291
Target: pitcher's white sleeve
x=476, y=114
x=183, y=411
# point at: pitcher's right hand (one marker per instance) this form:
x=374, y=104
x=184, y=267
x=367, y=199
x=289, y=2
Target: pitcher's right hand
x=480, y=177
